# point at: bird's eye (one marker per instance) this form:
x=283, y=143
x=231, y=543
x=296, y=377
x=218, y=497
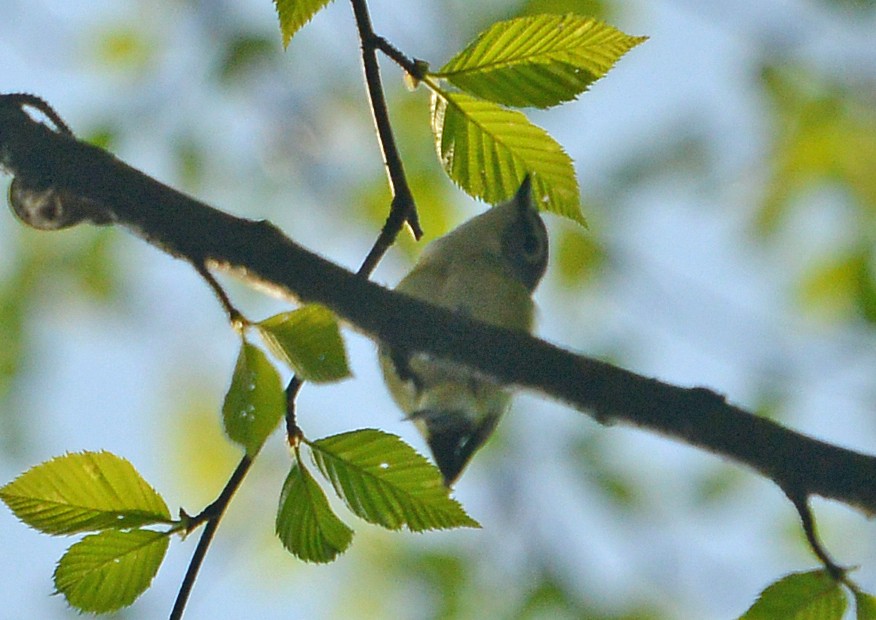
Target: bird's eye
x=525, y=248
x=533, y=238
x=531, y=245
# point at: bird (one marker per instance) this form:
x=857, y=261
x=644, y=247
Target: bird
x=486, y=269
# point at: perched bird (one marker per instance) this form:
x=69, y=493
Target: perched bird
x=486, y=269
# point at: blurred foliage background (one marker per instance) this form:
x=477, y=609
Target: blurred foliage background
x=728, y=169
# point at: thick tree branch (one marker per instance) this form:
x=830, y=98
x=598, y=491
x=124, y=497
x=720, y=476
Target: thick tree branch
x=194, y=231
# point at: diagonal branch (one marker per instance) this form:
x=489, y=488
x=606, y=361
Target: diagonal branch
x=198, y=233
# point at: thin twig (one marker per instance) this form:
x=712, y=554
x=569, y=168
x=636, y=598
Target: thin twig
x=801, y=503
x=234, y=315
x=402, y=209
x=410, y=65
x=403, y=199
x=32, y=101
x=293, y=432
x=212, y=514
x=193, y=231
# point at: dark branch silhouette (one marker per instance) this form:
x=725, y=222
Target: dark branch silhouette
x=42, y=158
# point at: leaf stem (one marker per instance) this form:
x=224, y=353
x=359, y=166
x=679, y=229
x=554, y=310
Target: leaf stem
x=234, y=315
x=801, y=503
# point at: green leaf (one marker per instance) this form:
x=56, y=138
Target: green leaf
x=591, y=8
x=107, y=571
x=255, y=401
x=294, y=14
x=384, y=481
x=813, y=595
x=865, y=606
x=82, y=492
x=309, y=340
x=488, y=149
x=537, y=61
x=306, y=524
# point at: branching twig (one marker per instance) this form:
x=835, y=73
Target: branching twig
x=293, y=432
x=402, y=210
x=212, y=514
x=202, y=235
x=801, y=503
x=234, y=315
x=198, y=233
x=402, y=207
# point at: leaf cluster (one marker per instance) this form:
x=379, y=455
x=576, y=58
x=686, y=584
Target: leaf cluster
x=102, y=493
x=380, y=478
x=484, y=144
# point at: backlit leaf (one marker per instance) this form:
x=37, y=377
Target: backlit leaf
x=813, y=595
x=384, y=481
x=488, y=149
x=865, y=606
x=309, y=340
x=84, y=491
x=107, y=571
x=255, y=402
x=293, y=14
x=306, y=524
x=538, y=61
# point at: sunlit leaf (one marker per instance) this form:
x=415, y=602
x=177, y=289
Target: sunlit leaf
x=255, y=401
x=294, y=14
x=590, y=8
x=309, y=340
x=865, y=606
x=83, y=492
x=107, y=571
x=812, y=595
x=384, y=481
x=488, y=149
x=538, y=61
x=306, y=524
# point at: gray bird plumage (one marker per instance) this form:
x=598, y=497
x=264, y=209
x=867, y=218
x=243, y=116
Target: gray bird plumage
x=487, y=269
